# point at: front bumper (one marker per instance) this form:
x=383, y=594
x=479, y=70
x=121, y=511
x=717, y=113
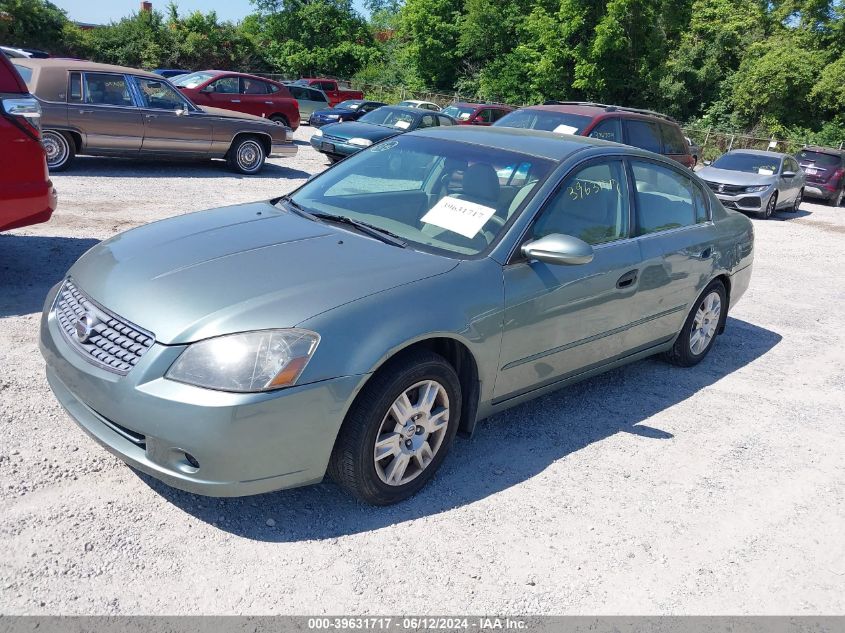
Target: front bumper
x=244, y=443
x=752, y=202
x=334, y=147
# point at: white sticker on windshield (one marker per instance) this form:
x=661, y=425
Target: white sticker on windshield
x=765, y=172
x=565, y=129
x=459, y=216
x=464, y=116
x=402, y=125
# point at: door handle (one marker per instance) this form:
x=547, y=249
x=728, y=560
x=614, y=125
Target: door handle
x=86, y=111
x=236, y=100
x=151, y=116
x=269, y=102
x=627, y=280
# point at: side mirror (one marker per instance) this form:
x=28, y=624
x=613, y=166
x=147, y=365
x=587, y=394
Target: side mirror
x=789, y=174
x=181, y=111
x=707, y=163
x=559, y=249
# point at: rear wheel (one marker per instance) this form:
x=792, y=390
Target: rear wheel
x=60, y=149
x=246, y=156
x=798, y=200
x=771, y=206
x=836, y=200
x=701, y=327
x=399, y=430
x=280, y=118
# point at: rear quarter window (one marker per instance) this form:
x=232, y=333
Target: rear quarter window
x=673, y=140
x=26, y=75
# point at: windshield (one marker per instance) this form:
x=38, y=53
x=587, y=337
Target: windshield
x=460, y=113
x=748, y=163
x=391, y=117
x=819, y=159
x=560, y=122
x=191, y=80
x=349, y=105
x=448, y=197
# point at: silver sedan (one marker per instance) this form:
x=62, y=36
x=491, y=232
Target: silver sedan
x=756, y=181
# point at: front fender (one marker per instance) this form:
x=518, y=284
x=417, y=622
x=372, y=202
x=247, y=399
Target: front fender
x=464, y=304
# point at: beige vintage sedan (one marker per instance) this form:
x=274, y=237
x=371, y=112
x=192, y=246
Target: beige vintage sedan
x=104, y=110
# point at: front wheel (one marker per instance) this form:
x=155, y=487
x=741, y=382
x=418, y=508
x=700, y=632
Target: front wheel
x=769, y=211
x=798, y=200
x=399, y=430
x=246, y=156
x=701, y=327
x=59, y=148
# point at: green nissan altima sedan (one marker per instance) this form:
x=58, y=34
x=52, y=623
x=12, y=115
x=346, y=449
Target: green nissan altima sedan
x=357, y=324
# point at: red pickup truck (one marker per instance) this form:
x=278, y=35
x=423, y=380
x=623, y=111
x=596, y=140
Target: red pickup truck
x=333, y=89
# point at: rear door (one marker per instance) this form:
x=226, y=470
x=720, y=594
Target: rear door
x=561, y=320
x=309, y=100
x=170, y=125
x=106, y=114
x=256, y=97
x=677, y=240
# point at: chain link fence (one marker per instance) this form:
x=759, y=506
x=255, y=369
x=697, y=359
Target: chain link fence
x=713, y=143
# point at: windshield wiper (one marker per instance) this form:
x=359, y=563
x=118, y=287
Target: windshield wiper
x=297, y=208
x=370, y=229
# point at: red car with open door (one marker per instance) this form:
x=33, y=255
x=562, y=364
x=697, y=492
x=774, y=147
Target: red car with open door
x=242, y=93
x=27, y=195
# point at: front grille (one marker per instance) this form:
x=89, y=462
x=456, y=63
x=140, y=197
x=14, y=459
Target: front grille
x=333, y=139
x=729, y=189
x=103, y=339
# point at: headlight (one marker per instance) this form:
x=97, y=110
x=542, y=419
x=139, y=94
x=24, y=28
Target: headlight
x=246, y=362
x=332, y=117
x=756, y=188
x=360, y=142
x=318, y=132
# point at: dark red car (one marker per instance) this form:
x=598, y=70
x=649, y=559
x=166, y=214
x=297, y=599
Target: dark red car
x=645, y=129
x=242, y=93
x=476, y=113
x=27, y=195
x=825, y=169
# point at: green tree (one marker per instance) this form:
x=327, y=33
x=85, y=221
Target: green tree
x=431, y=29
x=38, y=24
x=139, y=41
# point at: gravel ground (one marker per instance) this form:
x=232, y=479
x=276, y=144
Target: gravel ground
x=651, y=489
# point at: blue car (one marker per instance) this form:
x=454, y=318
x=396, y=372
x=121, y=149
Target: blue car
x=169, y=73
x=350, y=110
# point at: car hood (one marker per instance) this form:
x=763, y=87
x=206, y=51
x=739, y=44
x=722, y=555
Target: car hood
x=233, y=114
x=357, y=129
x=234, y=269
x=727, y=177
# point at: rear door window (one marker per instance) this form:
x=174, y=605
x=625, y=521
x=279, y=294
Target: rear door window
x=666, y=199
x=608, y=130
x=107, y=89
x=643, y=134
x=251, y=86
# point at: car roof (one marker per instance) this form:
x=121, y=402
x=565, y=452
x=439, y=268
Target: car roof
x=757, y=152
x=49, y=76
x=549, y=145
x=236, y=73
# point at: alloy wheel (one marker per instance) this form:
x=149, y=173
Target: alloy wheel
x=411, y=433
x=771, y=206
x=798, y=200
x=705, y=323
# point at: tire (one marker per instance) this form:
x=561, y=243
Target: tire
x=60, y=149
x=333, y=159
x=686, y=351
x=405, y=465
x=836, y=200
x=280, y=118
x=795, y=205
x=246, y=155
x=771, y=206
